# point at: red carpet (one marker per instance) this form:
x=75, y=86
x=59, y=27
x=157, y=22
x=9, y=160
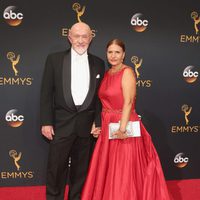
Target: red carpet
x=180, y=190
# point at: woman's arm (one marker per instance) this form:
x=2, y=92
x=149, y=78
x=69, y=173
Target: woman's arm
x=129, y=93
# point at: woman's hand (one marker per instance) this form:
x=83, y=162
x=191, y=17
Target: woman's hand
x=120, y=134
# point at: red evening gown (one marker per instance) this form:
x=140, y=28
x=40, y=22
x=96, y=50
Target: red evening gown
x=122, y=169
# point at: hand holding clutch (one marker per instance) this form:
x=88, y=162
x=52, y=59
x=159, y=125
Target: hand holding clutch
x=132, y=129
x=120, y=135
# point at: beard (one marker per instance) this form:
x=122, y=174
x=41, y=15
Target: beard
x=80, y=49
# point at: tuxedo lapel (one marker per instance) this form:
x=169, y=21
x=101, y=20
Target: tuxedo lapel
x=92, y=86
x=67, y=81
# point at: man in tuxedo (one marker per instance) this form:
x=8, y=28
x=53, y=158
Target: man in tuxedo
x=70, y=112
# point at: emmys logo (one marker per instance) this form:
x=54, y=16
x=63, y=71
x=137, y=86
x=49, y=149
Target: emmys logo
x=14, y=61
x=186, y=128
x=79, y=12
x=13, y=119
x=137, y=65
x=187, y=110
x=196, y=19
x=16, y=158
x=180, y=160
x=16, y=80
x=196, y=24
x=190, y=76
x=139, y=24
x=18, y=174
x=12, y=16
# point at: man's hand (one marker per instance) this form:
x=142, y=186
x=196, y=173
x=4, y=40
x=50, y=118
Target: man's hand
x=48, y=132
x=95, y=131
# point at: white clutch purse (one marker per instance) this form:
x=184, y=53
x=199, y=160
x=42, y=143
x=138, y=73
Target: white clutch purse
x=132, y=129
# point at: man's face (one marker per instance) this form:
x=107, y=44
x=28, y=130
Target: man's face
x=80, y=38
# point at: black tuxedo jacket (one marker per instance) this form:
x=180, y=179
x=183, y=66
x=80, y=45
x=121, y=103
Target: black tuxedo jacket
x=57, y=107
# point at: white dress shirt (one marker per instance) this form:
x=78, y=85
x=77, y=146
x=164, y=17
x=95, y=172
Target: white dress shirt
x=80, y=77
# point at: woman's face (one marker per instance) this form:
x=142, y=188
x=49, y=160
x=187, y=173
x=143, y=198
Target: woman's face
x=115, y=55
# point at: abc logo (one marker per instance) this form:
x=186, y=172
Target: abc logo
x=138, y=23
x=12, y=17
x=181, y=160
x=190, y=75
x=13, y=119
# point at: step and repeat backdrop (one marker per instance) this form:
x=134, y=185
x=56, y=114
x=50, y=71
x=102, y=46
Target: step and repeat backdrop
x=162, y=45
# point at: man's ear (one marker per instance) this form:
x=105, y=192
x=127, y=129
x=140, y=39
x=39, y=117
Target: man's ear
x=91, y=38
x=69, y=35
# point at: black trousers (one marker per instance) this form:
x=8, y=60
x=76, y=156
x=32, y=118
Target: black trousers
x=80, y=150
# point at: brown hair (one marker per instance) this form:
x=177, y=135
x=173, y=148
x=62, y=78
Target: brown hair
x=117, y=42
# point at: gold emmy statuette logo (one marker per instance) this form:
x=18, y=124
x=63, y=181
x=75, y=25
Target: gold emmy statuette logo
x=77, y=8
x=137, y=63
x=187, y=110
x=196, y=18
x=16, y=158
x=11, y=56
x=194, y=38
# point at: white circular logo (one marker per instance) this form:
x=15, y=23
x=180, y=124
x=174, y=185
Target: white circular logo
x=139, y=23
x=180, y=160
x=12, y=16
x=189, y=74
x=13, y=119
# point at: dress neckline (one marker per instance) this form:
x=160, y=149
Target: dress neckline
x=112, y=74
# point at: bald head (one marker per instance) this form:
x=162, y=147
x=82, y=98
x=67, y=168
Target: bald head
x=80, y=36
x=80, y=25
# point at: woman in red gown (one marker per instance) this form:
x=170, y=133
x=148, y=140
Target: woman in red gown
x=124, y=168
